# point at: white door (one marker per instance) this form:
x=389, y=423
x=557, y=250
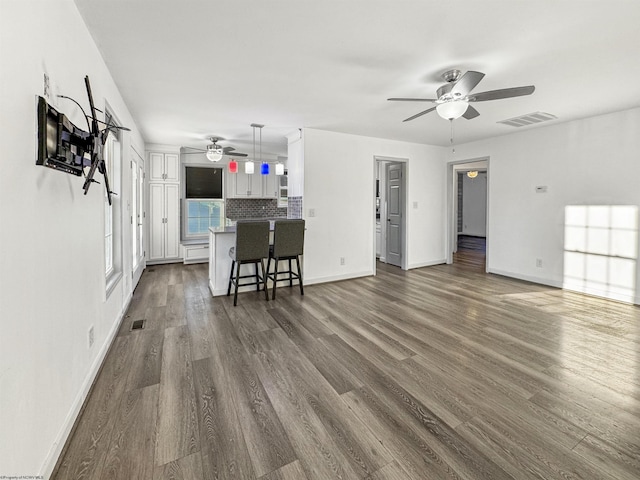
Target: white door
x=241, y=184
x=172, y=221
x=171, y=167
x=156, y=221
x=137, y=196
x=270, y=184
x=156, y=167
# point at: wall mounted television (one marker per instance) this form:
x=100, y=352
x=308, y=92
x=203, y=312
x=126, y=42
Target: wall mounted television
x=61, y=145
x=203, y=182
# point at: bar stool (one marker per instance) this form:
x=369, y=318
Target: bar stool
x=252, y=246
x=288, y=244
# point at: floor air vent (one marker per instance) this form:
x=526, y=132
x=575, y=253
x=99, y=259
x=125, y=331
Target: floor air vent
x=138, y=324
x=528, y=119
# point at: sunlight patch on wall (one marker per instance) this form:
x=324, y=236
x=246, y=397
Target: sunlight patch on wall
x=601, y=250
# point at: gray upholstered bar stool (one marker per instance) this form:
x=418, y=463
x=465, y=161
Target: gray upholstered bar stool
x=288, y=244
x=252, y=246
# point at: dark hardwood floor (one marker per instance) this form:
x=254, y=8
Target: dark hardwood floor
x=438, y=372
x=472, y=252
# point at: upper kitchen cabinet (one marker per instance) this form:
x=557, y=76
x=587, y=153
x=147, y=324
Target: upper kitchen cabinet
x=242, y=185
x=164, y=167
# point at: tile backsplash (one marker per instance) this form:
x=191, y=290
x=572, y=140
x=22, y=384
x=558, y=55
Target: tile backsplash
x=295, y=207
x=239, y=208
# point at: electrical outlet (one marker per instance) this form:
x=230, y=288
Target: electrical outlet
x=341, y=260
x=91, y=336
x=539, y=262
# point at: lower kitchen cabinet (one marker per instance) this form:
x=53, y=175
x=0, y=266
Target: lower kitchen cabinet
x=164, y=221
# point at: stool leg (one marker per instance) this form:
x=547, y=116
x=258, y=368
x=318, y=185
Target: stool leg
x=299, y=274
x=258, y=276
x=235, y=294
x=233, y=264
x=264, y=279
x=290, y=275
x=275, y=279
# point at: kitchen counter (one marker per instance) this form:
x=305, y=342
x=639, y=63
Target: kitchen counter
x=221, y=239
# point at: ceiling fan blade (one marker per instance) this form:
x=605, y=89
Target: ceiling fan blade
x=470, y=113
x=237, y=154
x=466, y=83
x=419, y=114
x=411, y=99
x=228, y=149
x=199, y=150
x=503, y=93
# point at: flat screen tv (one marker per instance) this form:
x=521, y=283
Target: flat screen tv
x=203, y=182
x=61, y=145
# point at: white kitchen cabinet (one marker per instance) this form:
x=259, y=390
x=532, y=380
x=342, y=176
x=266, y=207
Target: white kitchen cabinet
x=270, y=184
x=164, y=221
x=242, y=185
x=164, y=167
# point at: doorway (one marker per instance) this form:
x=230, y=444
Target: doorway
x=137, y=216
x=467, y=207
x=390, y=211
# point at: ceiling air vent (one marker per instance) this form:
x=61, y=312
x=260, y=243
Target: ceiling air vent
x=528, y=119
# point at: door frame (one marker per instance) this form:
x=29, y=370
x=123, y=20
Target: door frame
x=382, y=160
x=481, y=163
x=137, y=163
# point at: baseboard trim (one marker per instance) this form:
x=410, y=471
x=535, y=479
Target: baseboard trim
x=526, y=278
x=426, y=264
x=337, y=278
x=59, y=444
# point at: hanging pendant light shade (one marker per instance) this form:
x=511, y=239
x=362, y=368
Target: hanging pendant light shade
x=264, y=168
x=452, y=110
x=279, y=169
x=249, y=167
x=233, y=166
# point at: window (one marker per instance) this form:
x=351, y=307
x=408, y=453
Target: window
x=202, y=214
x=203, y=205
x=601, y=250
x=110, y=147
x=113, y=231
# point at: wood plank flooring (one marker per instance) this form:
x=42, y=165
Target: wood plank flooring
x=439, y=372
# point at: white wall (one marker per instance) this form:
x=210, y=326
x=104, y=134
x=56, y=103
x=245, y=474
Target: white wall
x=474, y=205
x=339, y=172
x=593, y=161
x=52, y=285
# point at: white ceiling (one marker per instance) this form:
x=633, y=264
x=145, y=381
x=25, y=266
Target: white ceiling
x=189, y=69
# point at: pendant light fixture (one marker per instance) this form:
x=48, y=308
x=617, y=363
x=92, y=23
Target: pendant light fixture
x=279, y=169
x=233, y=166
x=264, y=168
x=249, y=167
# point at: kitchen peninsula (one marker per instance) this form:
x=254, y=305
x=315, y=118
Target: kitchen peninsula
x=221, y=239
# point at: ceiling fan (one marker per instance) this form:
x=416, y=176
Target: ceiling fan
x=455, y=95
x=214, y=152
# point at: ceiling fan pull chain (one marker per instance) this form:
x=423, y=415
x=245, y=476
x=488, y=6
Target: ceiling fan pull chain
x=453, y=148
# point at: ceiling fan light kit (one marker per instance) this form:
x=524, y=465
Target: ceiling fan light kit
x=214, y=153
x=452, y=109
